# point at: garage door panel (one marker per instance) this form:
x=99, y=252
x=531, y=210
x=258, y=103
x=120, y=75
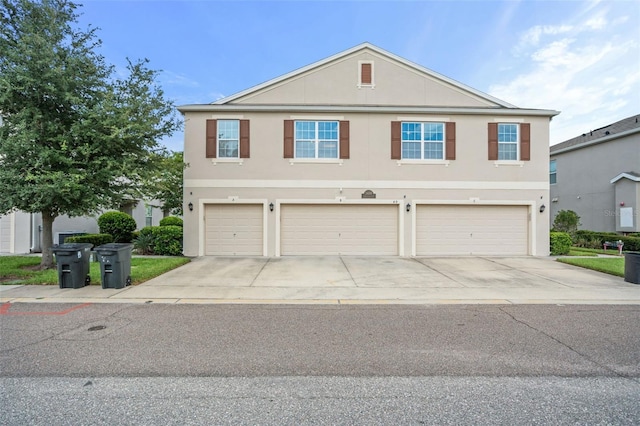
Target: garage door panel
x=472, y=230
x=339, y=229
x=234, y=229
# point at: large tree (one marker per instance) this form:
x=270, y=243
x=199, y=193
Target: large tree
x=74, y=138
x=166, y=185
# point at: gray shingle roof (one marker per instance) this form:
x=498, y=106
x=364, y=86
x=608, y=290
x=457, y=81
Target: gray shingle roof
x=612, y=129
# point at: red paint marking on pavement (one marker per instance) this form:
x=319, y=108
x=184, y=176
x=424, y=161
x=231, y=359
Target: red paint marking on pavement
x=4, y=310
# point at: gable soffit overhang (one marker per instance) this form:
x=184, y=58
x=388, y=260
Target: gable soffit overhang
x=608, y=138
x=368, y=47
x=630, y=175
x=368, y=109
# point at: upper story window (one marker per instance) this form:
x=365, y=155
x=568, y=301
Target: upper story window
x=552, y=172
x=423, y=141
x=507, y=141
x=316, y=139
x=319, y=141
x=228, y=138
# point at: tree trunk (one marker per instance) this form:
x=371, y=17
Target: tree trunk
x=47, y=240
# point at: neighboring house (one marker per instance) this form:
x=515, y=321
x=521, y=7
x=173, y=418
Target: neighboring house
x=597, y=175
x=21, y=232
x=365, y=153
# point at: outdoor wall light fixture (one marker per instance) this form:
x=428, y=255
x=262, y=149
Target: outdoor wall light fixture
x=408, y=207
x=270, y=207
x=190, y=207
x=542, y=207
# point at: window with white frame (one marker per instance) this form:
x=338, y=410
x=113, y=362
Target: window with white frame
x=423, y=141
x=508, y=141
x=552, y=172
x=148, y=215
x=228, y=138
x=316, y=139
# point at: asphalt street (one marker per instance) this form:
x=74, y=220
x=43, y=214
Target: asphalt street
x=324, y=364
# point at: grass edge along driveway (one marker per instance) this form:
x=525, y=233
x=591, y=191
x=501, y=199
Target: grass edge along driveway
x=19, y=270
x=608, y=265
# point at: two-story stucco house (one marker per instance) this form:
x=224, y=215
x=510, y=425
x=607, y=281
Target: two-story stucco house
x=597, y=175
x=365, y=153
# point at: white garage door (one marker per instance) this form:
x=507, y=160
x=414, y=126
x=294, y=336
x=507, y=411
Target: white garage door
x=356, y=229
x=472, y=230
x=5, y=234
x=233, y=229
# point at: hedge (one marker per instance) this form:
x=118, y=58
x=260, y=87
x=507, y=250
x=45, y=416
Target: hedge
x=630, y=243
x=171, y=221
x=560, y=243
x=118, y=224
x=95, y=239
x=166, y=240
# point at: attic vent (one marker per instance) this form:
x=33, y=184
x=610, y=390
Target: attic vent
x=365, y=74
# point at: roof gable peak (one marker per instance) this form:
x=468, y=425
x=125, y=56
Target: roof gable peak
x=365, y=46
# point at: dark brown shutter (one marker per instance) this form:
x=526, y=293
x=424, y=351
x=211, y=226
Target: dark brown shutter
x=288, y=138
x=212, y=139
x=396, y=140
x=244, y=139
x=344, y=139
x=365, y=74
x=525, y=142
x=450, y=130
x=493, y=141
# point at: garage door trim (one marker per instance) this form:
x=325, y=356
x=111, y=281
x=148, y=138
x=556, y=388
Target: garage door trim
x=339, y=201
x=233, y=200
x=476, y=202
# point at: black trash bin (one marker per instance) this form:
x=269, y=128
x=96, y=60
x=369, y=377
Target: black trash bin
x=115, y=264
x=632, y=267
x=72, y=260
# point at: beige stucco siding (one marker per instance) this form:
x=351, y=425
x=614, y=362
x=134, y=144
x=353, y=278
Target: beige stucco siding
x=336, y=83
x=370, y=151
x=269, y=177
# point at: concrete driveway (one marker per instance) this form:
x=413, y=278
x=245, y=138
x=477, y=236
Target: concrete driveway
x=344, y=280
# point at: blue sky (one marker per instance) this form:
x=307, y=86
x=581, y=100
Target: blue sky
x=579, y=57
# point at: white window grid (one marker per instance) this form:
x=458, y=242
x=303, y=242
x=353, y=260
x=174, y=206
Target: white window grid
x=508, y=141
x=422, y=140
x=228, y=138
x=317, y=139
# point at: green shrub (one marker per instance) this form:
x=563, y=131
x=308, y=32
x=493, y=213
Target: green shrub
x=167, y=240
x=560, y=243
x=162, y=240
x=118, y=224
x=95, y=239
x=630, y=243
x=171, y=221
x=566, y=221
x=143, y=244
x=587, y=242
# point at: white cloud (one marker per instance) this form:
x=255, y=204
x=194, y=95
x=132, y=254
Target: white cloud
x=175, y=79
x=588, y=71
x=532, y=36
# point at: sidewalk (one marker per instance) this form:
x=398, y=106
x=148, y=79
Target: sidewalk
x=356, y=280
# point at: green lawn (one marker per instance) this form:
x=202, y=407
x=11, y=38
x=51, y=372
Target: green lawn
x=611, y=251
x=18, y=269
x=609, y=265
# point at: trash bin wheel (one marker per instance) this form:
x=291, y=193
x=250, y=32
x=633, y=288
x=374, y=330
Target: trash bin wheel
x=128, y=280
x=87, y=280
